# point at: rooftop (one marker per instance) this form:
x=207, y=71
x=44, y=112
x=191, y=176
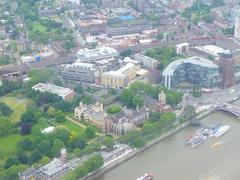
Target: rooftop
x=96, y=54
x=211, y=49
x=78, y=64
x=51, y=88
x=121, y=71
x=169, y=70
x=53, y=168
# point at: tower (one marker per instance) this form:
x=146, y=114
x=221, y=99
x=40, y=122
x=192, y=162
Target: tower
x=162, y=97
x=226, y=63
x=237, y=26
x=63, y=155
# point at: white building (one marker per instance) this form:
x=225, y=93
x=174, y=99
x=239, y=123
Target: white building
x=182, y=49
x=237, y=26
x=146, y=61
x=212, y=50
x=63, y=92
x=92, y=55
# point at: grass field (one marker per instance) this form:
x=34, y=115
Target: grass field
x=39, y=27
x=73, y=127
x=8, y=144
x=18, y=105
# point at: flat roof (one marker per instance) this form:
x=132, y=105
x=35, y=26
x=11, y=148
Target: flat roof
x=51, y=88
x=121, y=71
x=169, y=70
x=81, y=64
x=53, y=167
x=211, y=49
x=96, y=54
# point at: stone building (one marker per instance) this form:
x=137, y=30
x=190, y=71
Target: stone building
x=128, y=119
x=94, y=114
x=161, y=105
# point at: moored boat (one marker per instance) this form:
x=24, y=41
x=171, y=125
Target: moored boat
x=222, y=130
x=198, y=141
x=146, y=176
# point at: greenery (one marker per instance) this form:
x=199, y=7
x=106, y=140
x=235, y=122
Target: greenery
x=165, y=55
x=6, y=60
x=196, y=91
x=5, y=110
x=197, y=12
x=88, y=166
x=17, y=104
x=126, y=53
x=149, y=131
x=228, y=31
x=130, y=98
x=114, y=109
x=41, y=29
x=67, y=45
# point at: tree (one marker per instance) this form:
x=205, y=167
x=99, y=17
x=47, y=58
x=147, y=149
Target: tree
x=26, y=144
x=137, y=101
x=78, y=89
x=208, y=18
x=79, y=142
x=5, y=125
x=62, y=134
x=217, y=3
x=25, y=128
x=12, y=160
x=44, y=147
x=67, y=45
x=138, y=142
x=57, y=145
x=126, y=53
x=5, y=110
x=126, y=97
x=60, y=117
x=90, y=132
x=31, y=116
x=35, y=156
x=155, y=116
x=108, y=142
x=167, y=119
x=114, y=109
x=22, y=157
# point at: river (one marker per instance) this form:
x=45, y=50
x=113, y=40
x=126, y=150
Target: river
x=171, y=159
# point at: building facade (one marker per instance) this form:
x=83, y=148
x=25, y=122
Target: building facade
x=81, y=72
x=64, y=93
x=128, y=119
x=121, y=77
x=94, y=114
x=194, y=70
x=111, y=3
x=182, y=49
x=226, y=63
x=237, y=26
x=92, y=55
x=147, y=61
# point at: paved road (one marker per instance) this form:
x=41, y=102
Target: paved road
x=38, y=65
x=218, y=97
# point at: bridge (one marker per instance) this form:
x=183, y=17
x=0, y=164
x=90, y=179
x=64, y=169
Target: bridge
x=230, y=108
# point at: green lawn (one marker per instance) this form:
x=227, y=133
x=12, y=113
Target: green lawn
x=18, y=105
x=73, y=127
x=8, y=144
x=38, y=27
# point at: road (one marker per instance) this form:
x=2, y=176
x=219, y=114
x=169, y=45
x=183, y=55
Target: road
x=38, y=65
x=218, y=97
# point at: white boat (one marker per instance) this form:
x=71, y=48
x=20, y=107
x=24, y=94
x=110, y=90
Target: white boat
x=146, y=176
x=198, y=141
x=222, y=130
